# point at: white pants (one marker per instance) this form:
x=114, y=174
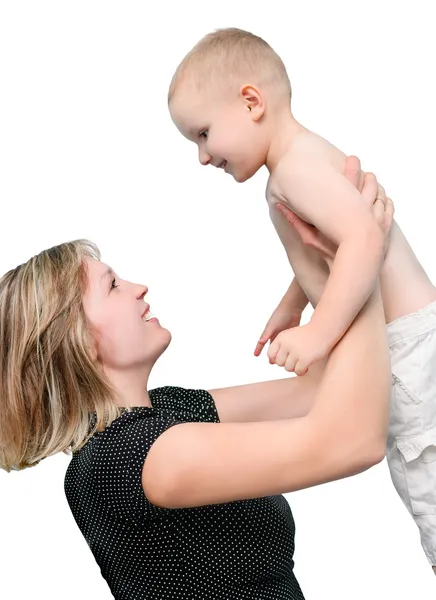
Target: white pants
x=411, y=445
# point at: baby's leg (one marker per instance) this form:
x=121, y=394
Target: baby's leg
x=411, y=446
x=411, y=495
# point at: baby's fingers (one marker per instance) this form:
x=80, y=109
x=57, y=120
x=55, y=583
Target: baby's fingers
x=259, y=347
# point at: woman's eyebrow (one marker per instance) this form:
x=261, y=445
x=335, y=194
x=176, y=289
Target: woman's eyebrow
x=106, y=273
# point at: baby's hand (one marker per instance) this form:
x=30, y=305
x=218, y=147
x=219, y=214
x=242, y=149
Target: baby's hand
x=297, y=349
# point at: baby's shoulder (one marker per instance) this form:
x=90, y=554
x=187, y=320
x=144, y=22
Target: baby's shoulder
x=311, y=147
x=308, y=153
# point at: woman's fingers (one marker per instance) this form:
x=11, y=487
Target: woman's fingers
x=353, y=172
x=309, y=235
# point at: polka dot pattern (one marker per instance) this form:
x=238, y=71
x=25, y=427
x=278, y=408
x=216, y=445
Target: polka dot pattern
x=233, y=551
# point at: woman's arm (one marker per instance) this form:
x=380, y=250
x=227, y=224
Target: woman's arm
x=269, y=400
x=195, y=464
x=292, y=397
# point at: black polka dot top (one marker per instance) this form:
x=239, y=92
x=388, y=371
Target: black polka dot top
x=231, y=551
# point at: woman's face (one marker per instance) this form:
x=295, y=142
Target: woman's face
x=125, y=341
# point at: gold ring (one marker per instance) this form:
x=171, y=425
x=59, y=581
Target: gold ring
x=381, y=200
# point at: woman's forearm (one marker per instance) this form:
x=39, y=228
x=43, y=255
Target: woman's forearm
x=352, y=402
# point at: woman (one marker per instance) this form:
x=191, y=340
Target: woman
x=177, y=492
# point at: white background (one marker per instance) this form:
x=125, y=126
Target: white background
x=88, y=150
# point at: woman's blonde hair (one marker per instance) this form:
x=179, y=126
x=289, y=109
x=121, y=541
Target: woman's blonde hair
x=50, y=383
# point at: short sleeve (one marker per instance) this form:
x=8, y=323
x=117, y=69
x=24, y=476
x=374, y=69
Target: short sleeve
x=195, y=405
x=120, y=456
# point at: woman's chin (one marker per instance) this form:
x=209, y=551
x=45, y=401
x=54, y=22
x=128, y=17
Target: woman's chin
x=164, y=340
x=168, y=337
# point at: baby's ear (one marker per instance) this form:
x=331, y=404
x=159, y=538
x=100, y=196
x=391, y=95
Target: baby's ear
x=253, y=100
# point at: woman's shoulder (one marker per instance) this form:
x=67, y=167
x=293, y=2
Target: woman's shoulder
x=186, y=403
x=170, y=405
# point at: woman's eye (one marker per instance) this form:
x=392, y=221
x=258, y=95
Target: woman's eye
x=203, y=134
x=113, y=286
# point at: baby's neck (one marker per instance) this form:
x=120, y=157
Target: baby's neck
x=284, y=130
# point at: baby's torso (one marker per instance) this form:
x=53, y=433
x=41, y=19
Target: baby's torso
x=404, y=284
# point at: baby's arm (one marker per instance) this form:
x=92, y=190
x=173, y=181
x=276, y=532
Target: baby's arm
x=322, y=196
x=287, y=314
x=296, y=295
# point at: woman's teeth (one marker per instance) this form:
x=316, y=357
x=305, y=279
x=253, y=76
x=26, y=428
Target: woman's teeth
x=148, y=315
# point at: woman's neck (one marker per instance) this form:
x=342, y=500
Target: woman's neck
x=130, y=387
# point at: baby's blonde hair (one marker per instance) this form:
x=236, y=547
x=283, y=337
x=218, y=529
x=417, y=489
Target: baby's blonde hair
x=49, y=381
x=234, y=56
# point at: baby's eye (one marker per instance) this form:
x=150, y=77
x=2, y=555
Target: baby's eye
x=203, y=134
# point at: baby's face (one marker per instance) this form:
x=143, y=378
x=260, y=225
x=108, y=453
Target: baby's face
x=226, y=136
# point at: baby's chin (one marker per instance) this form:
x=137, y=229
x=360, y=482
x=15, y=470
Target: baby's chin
x=244, y=173
x=243, y=177
x=240, y=175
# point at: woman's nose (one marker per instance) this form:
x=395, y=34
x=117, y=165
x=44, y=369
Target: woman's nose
x=143, y=289
x=204, y=157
